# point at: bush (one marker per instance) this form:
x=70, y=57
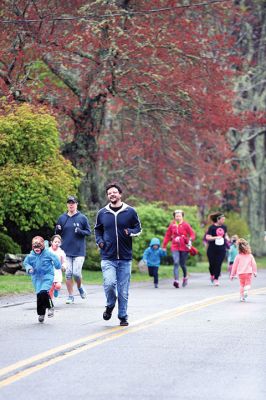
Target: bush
x=236, y=225
x=7, y=245
x=93, y=260
x=35, y=179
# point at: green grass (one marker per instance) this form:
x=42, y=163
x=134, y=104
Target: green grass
x=19, y=284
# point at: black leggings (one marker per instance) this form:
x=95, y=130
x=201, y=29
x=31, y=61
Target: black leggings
x=43, y=301
x=215, y=257
x=153, y=271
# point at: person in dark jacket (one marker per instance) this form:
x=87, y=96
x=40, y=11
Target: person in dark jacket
x=73, y=227
x=115, y=226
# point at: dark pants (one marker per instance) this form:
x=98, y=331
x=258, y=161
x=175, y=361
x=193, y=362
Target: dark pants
x=153, y=271
x=43, y=301
x=215, y=257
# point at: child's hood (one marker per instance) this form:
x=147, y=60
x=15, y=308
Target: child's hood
x=154, y=242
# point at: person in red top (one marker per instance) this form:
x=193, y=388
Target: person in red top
x=180, y=233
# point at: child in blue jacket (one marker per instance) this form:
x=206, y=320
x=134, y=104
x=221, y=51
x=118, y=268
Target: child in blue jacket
x=40, y=264
x=233, y=252
x=152, y=257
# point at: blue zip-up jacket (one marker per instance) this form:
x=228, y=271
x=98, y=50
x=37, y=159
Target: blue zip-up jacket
x=152, y=257
x=74, y=230
x=110, y=229
x=43, y=265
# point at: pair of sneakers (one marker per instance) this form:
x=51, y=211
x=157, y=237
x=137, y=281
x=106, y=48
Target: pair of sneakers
x=107, y=314
x=50, y=314
x=83, y=295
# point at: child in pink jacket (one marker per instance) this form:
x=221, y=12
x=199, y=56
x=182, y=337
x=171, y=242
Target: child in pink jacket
x=244, y=266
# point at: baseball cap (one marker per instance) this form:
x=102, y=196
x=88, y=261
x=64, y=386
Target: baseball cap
x=72, y=198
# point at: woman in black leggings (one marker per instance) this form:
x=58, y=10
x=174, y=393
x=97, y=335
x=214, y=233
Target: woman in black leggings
x=216, y=236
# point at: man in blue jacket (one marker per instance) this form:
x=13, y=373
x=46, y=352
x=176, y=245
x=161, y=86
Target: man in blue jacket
x=115, y=226
x=73, y=227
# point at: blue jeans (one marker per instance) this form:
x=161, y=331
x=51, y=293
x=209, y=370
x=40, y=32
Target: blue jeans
x=116, y=280
x=180, y=258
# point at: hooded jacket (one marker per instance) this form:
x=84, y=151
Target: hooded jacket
x=152, y=257
x=180, y=235
x=110, y=230
x=74, y=230
x=43, y=265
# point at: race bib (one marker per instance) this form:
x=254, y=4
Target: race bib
x=219, y=241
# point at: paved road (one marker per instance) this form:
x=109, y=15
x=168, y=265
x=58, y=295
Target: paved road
x=197, y=343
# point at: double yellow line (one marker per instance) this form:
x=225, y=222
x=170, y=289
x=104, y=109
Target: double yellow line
x=24, y=368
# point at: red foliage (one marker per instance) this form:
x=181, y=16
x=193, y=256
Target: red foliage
x=153, y=89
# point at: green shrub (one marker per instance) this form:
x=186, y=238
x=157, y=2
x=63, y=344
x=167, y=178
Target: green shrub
x=93, y=260
x=7, y=245
x=237, y=225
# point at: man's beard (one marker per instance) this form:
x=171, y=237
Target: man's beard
x=114, y=201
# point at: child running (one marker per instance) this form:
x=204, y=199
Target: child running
x=244, y=266
x=40, y=264
x=152, y=257
x=232, y=252
x=58, y=277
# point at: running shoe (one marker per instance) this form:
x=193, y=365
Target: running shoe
x=123, y=322
x=108, y=313
x=82, y=293
x=70, y=300
x=41, y=318
x=184, y=283
x=50, y=313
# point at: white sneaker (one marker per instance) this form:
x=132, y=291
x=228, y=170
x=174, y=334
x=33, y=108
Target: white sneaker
x=246, y=291
x=70, y=300
x=50, y=313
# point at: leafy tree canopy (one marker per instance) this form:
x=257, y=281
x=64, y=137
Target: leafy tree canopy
x=34, y=178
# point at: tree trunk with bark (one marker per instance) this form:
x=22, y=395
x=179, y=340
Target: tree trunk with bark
x=250, y=144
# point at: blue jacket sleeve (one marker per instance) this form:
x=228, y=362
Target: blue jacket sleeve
x=86, y=231
x=135, y=228
x=26, y=264
x=146, y=254
x=163, y=253
x=98, y=230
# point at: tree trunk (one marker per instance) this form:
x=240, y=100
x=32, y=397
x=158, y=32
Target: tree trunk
x=250, y=144
x=83, y=153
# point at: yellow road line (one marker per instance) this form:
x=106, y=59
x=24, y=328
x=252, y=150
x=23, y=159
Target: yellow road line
x=73, y=348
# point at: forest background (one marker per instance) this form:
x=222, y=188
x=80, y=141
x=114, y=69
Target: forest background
x=166, y=97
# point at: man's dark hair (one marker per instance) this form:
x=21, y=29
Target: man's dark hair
x=115, y=185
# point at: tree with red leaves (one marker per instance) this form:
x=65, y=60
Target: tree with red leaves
x=142, y=93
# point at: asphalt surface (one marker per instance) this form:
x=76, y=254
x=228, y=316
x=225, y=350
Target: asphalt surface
x=197, y=342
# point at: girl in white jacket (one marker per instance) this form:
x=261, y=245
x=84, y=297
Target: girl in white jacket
x=58, y=277
x=244, y=266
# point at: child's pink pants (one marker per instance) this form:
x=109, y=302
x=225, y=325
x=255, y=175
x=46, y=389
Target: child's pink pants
x=244, y=280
